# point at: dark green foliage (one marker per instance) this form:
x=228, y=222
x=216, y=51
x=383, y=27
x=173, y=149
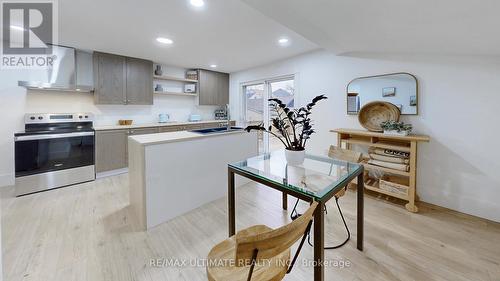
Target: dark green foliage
x=293, y=125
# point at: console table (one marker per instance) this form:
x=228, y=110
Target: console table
x=395, y=183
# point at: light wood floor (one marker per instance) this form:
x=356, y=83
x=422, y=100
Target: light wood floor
x=86, y=232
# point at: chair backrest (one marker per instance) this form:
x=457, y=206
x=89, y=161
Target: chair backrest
x=344, y=154
x=272, y=243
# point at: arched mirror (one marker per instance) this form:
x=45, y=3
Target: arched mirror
x=400, y=89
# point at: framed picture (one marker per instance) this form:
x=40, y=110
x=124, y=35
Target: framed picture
x=389, y=92
x=413, y=100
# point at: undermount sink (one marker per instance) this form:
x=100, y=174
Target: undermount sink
x=216, y=130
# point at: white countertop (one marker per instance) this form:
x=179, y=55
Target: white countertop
x=148, y=125
x=159, y=138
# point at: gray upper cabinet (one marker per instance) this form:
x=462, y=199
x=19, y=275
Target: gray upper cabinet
x=122, y=80
x=223, y=85
x=213, y=87
x=139, y=81
x=110, y=78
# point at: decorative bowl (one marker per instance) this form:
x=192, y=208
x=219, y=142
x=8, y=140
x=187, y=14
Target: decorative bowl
x=372, y=114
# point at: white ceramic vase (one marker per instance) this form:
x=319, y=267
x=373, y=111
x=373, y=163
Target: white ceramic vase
x=294, y=157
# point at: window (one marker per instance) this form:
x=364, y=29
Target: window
x=256, y=109
x=254, y=101
x=285, y=91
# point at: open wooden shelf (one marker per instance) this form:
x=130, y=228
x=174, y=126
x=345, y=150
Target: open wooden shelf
x=175, y=94
x=394, y=180
x=379, y=144
x=172, y=78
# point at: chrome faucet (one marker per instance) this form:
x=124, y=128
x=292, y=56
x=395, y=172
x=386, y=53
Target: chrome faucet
x=228, y=118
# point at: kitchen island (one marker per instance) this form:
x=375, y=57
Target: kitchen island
x=173, y=173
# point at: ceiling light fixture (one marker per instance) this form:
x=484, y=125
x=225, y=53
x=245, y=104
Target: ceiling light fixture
x=164, y=40
x=213, y=65
x=283, y=41
x=197, y=3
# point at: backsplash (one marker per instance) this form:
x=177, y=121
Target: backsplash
x=179, y=108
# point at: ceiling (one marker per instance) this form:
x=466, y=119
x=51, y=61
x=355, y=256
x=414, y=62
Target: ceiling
x=228, y=33
x=444, y=27
x=240, y=34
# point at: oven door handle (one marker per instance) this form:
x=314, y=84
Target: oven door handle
x=53, y=136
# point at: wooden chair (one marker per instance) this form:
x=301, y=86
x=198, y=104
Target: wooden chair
x=259, y=252
x=348, y=156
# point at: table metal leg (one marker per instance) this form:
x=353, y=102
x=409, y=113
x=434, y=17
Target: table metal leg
x=360, y=218
x=231, y=203
x=285, y=200
x=319, y=242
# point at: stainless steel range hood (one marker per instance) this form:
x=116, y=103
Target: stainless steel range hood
x=72, y=71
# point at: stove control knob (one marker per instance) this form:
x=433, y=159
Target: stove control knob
x=40, y=117
x=86, y=116
x=80, y=117
x=32, y=117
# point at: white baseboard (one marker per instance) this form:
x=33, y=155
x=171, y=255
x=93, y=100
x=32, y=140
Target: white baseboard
x=111, y=173
x=7, y=179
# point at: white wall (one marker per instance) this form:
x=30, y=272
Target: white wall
x=458, y=109
x=15, y=101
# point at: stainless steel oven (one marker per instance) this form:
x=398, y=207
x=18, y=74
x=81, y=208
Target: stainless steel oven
x=55, y=150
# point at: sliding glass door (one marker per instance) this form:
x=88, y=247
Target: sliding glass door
x=254, y=96
x=257, y=110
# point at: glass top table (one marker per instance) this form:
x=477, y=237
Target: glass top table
x=317, y=177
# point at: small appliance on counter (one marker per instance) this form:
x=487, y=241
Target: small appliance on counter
x=159, y=88
x=220, y=114
x=163, y=118
x=55, y=150
x=194, y=117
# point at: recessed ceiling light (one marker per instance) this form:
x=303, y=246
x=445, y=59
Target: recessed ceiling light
x=283, y=41
x=213, y=65
x=164, y=40
x=197, y=3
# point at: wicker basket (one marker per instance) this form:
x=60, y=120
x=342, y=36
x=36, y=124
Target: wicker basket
x=125, y=122
x=373, y=113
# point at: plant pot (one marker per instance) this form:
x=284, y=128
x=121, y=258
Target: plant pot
x=295, y=157
x=396, y=133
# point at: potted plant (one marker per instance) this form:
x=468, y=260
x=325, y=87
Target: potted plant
x=292, y=127
x=396, y=128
